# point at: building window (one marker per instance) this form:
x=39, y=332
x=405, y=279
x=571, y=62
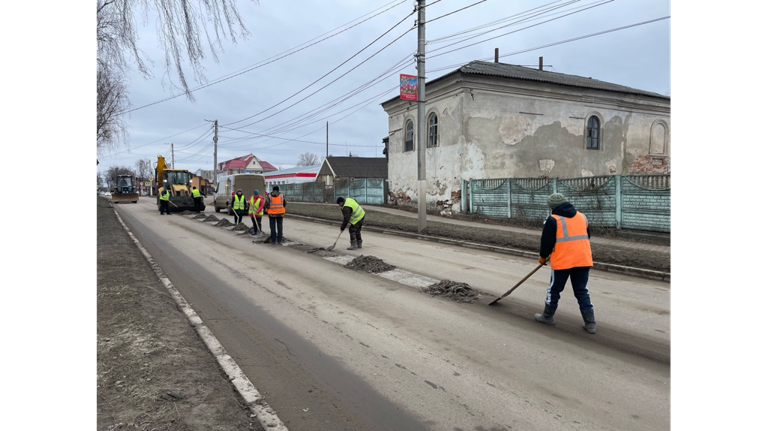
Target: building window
x=432, y=138
x=593, y=133
x=658, y=138
x=409, y=136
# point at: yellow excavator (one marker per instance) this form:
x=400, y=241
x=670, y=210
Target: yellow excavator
x=178, y=182
x=124, y=190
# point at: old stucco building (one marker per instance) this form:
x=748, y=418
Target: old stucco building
x=495, y=120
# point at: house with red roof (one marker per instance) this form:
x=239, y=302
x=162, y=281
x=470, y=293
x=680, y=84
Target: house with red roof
x=248, y=164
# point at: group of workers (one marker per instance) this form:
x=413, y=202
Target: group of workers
x=165, y=197
x=564, y=245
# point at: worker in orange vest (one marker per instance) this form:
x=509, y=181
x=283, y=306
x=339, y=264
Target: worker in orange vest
x=565, y=241
x=275, y=206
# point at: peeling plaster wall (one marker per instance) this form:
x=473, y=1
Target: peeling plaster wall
x=496, y=133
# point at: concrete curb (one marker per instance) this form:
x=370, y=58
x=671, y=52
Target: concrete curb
x=608, y=267
x=255, y=401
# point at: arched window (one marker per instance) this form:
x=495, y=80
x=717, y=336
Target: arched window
x=658, y=138
x=432, y=138
x=409, y=136
x=593, y=133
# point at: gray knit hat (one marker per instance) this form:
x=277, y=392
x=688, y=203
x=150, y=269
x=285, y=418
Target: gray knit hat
x=555, y=200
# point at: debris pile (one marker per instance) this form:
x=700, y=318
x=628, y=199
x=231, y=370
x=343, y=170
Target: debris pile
x=224, y=223
x=453, y=290
x=187, y=212
x=200, y=216
x=211, y=218
x=315, y=250
x=241, y=227
x=369, y=264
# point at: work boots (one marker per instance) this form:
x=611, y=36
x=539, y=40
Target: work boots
x=352, y=246
x=360, y=244
x=548, y=316
x=589, y=320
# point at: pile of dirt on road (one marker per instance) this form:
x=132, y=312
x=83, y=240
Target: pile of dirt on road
x=453, y=290
x=187, y=212
x=211, y=218
x=200, y=216
x=241, y=227
x=224, y=223
x=268, y=238
x=315, y=250
x=369, y=264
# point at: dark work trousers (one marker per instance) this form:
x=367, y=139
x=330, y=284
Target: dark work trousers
x=579, y=277
x=279, y=231
x=256, y=224
x=199, y=204
x=354, y=230
x=164, y=207
x=239, y=215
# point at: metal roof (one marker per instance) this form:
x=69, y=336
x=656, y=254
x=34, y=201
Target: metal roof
x=512, y=71
x=355, y=167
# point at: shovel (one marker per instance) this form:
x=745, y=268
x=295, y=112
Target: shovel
x=334, y=243
x=518, y=284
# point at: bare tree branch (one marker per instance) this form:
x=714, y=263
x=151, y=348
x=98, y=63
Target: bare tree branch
x=179, y=33
x=308, y=159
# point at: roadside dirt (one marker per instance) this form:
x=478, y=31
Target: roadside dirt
x=212, y=218
x=153, y=371
x=224, y=223
x=453, y=290
x=627, y=256
x=241, y=227
x=369, y=264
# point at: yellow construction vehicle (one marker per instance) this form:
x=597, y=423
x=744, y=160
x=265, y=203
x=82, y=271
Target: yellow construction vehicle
x=178, y=182
x=124, y=190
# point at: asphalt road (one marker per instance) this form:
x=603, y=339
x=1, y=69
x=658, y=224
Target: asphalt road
x=335, y=349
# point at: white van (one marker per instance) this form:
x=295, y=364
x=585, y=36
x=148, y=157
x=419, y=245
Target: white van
x=230, y=183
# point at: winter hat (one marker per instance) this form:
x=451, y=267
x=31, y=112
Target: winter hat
x=275, y=189
x=555, y=200
x=256, y=191
x=340, y=200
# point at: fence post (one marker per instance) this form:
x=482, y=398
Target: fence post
x=618, y=178
x=366, y=190
x=554, y=187
x=471, y=201
x=463, y=196
x=509, y=197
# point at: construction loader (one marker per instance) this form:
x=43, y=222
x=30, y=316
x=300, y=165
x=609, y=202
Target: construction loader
x=178, y=182
x=124, y=190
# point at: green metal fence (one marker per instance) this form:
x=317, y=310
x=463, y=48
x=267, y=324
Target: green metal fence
x=640, y=202
x=363, y=190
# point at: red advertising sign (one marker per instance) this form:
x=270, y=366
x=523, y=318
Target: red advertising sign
x=408, y=87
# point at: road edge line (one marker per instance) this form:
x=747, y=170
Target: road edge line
x=252, y=397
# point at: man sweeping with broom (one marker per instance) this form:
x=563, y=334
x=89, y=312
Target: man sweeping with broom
x=565, y=240
x=353, y=214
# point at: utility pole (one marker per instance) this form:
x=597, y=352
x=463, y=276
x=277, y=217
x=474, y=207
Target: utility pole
x=173, y=159
x=215, y=149
x=326, y=139
x=420, y=120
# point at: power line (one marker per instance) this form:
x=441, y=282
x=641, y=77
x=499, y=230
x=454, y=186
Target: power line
x=457, y=10
x=343, y=98
x=331, y=71
x=557, y=43
x=492, y=23
x=153, y=142
x=267, y=60
x=514, y=31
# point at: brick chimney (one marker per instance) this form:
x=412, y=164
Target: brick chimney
x=541, y=63
x=497, y=56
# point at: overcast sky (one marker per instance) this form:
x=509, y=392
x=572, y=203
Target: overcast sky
x=638, y=57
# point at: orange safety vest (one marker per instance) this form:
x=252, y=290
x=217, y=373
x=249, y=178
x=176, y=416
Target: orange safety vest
x=276, y=204
x=572, y=248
